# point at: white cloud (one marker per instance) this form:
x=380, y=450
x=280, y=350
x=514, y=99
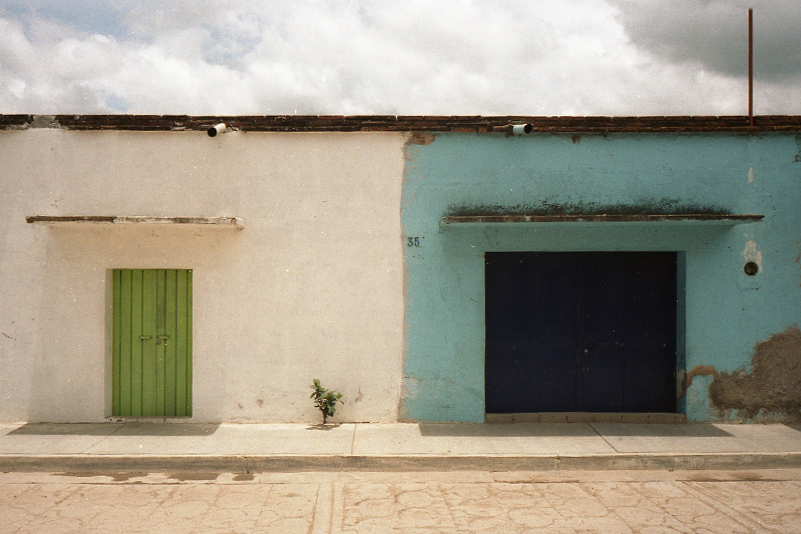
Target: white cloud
x=554, y=57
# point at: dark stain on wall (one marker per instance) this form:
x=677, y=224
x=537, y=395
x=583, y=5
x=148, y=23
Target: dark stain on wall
x=798, y=143
x=797, y=260
x=421, y=139
x=774, y=385
x=636, y=207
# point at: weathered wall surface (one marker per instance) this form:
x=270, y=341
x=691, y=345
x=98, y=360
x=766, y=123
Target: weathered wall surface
x=343, y=272
x=772, y=387
x=725, y=315
x=311, y=287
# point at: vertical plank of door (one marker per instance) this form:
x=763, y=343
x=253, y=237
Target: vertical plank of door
x=115, y=342
x=148, y=344
x=125, y=342
x=183, y=313
x=170, y=330
x=162, y=329
x=161, y=348
x=188, y=340
x=136, y=343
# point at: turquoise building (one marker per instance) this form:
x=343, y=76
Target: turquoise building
x=651, y=265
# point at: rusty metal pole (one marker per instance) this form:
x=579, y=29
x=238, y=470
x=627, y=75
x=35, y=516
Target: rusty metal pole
x=751, y=67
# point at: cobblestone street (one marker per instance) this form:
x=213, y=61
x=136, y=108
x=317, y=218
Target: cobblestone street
x=422, y=502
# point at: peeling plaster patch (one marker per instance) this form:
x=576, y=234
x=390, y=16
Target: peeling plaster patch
x=752, y=254
x=750, y=175
x=698, y=370
x=773, y=387
x=697, y=397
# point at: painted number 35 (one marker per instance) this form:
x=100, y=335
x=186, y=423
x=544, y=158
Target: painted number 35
x=413, y=241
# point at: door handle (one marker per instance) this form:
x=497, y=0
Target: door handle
x=145, y=338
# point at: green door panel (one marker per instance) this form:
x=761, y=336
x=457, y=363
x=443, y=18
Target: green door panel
x=152, y=343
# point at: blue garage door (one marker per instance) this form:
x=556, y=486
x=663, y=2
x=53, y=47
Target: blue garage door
x=580, y=332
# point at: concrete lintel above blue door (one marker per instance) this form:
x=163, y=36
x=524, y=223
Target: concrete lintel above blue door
x=683, y=219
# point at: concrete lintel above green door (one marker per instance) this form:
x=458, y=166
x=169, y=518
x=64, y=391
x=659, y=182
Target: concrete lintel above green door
x=52, y=220
x=152, y=343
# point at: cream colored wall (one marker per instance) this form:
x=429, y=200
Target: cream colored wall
x=311, y=287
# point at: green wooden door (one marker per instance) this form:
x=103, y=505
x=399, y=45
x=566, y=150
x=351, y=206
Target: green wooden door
x=152, y=343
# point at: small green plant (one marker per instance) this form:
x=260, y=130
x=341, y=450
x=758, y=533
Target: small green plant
x=325, y=400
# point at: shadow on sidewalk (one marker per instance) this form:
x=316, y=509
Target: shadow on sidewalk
x=118, y=429
x=701, y=430
x=327, y=427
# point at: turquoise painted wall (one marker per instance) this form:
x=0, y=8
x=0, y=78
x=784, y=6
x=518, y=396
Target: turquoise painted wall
x=723, y=313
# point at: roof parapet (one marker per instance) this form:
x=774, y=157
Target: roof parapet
x=406, y=123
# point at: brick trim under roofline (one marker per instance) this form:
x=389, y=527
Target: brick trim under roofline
x=405, y=123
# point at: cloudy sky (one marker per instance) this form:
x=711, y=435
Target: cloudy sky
x=455, y=57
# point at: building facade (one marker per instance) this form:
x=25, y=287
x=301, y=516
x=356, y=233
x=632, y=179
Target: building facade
x=430, y=268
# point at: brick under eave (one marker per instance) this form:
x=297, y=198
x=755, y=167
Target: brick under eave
x=404, y=123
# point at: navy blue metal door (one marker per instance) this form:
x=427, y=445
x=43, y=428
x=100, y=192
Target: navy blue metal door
x=580, y=331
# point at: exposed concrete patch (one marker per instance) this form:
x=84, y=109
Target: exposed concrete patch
x=774, y=385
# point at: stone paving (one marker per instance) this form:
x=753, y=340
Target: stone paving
x=653, y=502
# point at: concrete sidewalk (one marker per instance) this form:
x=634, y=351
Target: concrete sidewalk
x=239, y=448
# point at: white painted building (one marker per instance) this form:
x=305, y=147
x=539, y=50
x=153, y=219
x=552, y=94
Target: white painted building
x=310, y=286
